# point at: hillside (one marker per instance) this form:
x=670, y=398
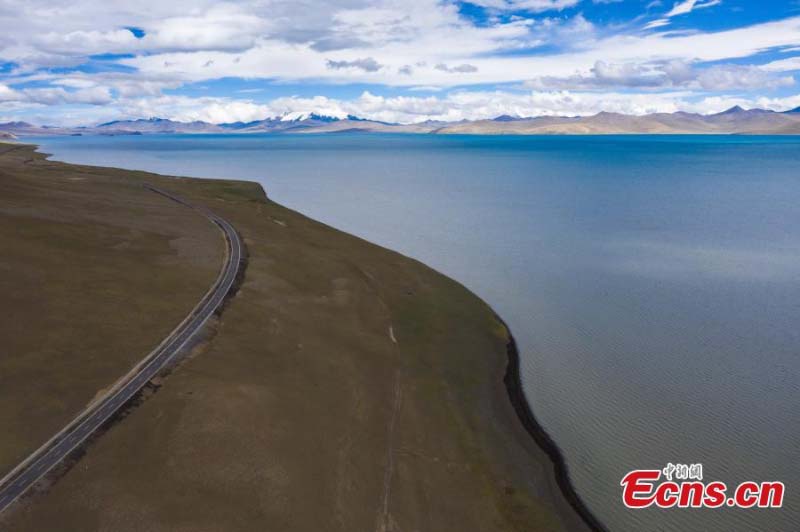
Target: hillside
x=154, y=125
x=78, y=249
x=344, y=387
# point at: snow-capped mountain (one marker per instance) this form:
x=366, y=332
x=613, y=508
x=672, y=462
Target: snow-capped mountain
x=735, y=120
x=299, y=116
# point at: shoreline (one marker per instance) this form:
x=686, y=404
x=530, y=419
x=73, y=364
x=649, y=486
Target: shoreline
x=516, y=394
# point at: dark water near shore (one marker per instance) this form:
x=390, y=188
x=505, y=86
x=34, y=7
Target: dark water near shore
x=652, y=283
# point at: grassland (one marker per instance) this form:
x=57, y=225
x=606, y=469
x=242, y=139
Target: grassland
x=86, y=264
x=345, y=387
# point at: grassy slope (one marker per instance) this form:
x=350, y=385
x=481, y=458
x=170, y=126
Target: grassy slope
x=303, y=414
x=84, y=268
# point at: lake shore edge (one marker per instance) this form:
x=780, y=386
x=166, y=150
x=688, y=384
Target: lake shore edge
x=524, y=411
x=510, y=389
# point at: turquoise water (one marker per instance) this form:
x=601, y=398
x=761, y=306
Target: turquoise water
x=653, y=283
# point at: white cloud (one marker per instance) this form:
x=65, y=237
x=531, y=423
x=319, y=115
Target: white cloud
x=197, y=41
x=656, y=23
x=75, y=82
x=679, y=8
x=273, y=59
x=56, y=95
x=730, y=77
x=185, y=109
x=665, y=75
x=783, y=65
x=534, y=6
x=687, y=6
x=7, y=94
x=417, y=44
x=367, y=64
x=82, y=42
x=463, y=68
x=92, y=96
x=224, y=27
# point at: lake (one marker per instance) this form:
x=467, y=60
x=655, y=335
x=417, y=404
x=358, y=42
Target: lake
x=652, y=282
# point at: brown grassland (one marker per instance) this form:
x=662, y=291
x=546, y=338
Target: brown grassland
x=344, y=388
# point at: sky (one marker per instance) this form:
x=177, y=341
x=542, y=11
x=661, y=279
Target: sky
x=90, y=61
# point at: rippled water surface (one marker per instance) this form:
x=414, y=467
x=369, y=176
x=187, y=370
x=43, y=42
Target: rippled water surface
x=653, y=283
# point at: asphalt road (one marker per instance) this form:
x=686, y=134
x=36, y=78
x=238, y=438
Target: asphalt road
x=35, y=466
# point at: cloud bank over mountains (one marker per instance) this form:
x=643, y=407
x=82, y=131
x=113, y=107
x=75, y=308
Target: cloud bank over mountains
x=400, y=61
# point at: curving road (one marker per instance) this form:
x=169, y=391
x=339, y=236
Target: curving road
x=35, y=466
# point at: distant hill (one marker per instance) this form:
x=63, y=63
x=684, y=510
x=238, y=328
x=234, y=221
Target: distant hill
x=370, y=126
x=157, y=125
x=8, y=126
x=24, y=128
x=735, y=120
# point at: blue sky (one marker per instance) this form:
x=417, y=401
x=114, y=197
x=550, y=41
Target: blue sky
x=402, y=61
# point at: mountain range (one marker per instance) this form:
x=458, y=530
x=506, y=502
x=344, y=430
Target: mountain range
x=733, y=121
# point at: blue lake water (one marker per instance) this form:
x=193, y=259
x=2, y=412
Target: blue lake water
x=652, y=283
